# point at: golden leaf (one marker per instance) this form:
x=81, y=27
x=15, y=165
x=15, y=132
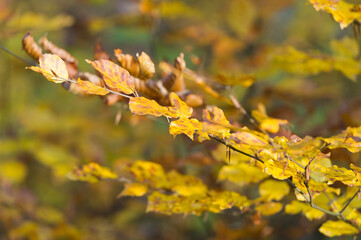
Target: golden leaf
x=52, y=67
x=114, y=76
x=343, y=12
x=269, y=208
x=241, y=174
x=337, y=228
x=144, y=106
x=296, y=206
x=133, y=190
x=273, y=190
x=186, y=126
x=91, y=88
x=182, y=109
x=92, y=172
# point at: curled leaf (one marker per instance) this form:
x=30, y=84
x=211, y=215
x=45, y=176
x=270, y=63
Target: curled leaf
x=146, y=66
x=52, y=67
x=31, y=47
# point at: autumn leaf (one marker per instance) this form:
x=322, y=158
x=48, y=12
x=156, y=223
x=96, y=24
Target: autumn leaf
x=146, y=66
x=241, y=174
x=186, y=126
x=233, y=80
x=267, y=123
x=273, y=190
x=215, y=123
x=144, y=106
x=343, y=12
x=133, y=190
x=52, y=67
x=182, y=109
x=296, y=207
x=269, y=208
x=337, y=228
x=92, y=172
x=91, y=88
x=114, y=76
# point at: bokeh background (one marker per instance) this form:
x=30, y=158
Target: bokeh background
x=46, y=131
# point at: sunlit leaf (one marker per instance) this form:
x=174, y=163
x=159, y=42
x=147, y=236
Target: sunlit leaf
x=144, y=106
x=337, y=228
x=114, y=76
x=52, y=67
x=149, y=173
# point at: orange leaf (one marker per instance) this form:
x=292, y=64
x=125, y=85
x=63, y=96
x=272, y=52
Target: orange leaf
x=183, y=110
x=91, y=88
x=114, y=76
x=52, y=67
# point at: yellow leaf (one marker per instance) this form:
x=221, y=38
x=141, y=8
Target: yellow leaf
x=144, y=106
x=343, y=12
x=91, y=88
x=249, y=139
x=186, y=126
x=92, y=172
x=346, y=47
x=52, y=67
x=133, y=190
x=337, y=228
x=226, y=199
x=243, y=80
x=267, y=123
x=114, y=76
x=149, y=173
x=269, y=208
x=12, y=171
x=182, y=109
x=241, y=174
x=186, y=190
x=146, y=66
x=311, y=213
x=273, y=190
x=215, y=123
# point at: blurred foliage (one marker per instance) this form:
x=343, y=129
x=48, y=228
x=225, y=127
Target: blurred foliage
x=282, y=55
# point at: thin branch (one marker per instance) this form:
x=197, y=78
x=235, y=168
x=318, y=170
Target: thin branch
x=349, y=201
x=16, y=56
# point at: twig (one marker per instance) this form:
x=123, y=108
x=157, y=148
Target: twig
x=349, y=201
x=16, y=56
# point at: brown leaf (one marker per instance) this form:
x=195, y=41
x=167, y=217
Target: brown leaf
x=146, y=66
x=31, y=47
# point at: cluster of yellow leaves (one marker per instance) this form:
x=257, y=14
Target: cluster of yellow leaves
x=279, y=157
x=92, y=172
x=344, y=12
x=344, y=59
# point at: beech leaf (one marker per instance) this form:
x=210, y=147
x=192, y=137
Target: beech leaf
x=114, y=76
x=52, y=67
